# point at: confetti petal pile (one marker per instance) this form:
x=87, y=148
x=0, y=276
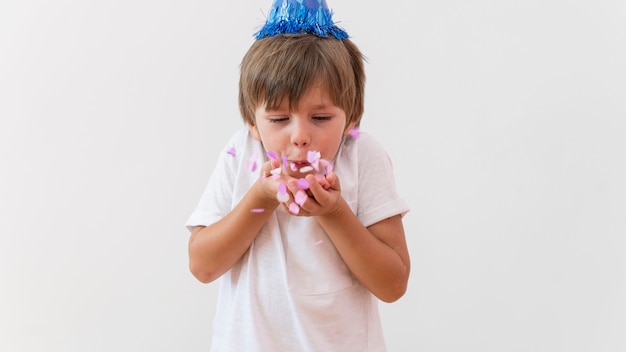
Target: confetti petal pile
x=316, y=163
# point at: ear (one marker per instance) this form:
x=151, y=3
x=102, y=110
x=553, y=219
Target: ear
x=350, y=126
x=255, y=132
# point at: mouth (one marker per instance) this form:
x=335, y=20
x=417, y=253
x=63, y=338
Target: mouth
x=300, y=166
x=298, y=163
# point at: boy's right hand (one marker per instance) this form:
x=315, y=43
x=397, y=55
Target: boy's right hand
x=269, y=183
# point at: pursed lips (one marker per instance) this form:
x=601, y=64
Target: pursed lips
x=299, y=163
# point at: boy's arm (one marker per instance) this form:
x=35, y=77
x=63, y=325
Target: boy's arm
x=215, y=248
x=377, y=255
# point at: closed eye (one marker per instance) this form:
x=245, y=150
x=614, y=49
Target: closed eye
x=322, y=118
x=278, y=119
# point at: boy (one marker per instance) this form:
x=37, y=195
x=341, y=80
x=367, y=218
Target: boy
x=303, y=258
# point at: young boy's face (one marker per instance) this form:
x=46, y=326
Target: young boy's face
x=315, y=125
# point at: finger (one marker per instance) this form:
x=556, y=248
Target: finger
x=333, y=180
x=315, y=186
x=270, y=169
x=322, y=181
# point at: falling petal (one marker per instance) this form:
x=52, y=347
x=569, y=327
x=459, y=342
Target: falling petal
x=293, y=167
x=232, y=152
x=257, y=210
x=284, y=161
x=294, y=208
x=354, y=133
x=272, y=155
x=301, y=197
x=252, y=163
x=303, y=183
x=326, y=166
x=313, y=157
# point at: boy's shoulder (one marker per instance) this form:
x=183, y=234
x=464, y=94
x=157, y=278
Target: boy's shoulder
x=241, y=134
x=241, y=138
x=242, y=145
x=364, y=143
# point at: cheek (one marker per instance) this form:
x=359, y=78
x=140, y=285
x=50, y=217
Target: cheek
x=331, y=147
x=254, y=131
x=270, y=140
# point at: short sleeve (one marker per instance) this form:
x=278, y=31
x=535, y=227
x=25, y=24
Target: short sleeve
x=216, y=199
x=378, y=198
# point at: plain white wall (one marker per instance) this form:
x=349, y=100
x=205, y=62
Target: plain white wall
x=505, y=121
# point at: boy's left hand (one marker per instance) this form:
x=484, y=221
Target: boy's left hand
x=324, y=196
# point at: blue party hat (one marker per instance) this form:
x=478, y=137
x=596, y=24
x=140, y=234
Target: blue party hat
x=300, y=16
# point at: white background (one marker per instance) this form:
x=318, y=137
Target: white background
x=505, y=121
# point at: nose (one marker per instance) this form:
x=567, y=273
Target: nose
x=300, y=135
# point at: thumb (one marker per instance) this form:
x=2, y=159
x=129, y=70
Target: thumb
x=267, y=168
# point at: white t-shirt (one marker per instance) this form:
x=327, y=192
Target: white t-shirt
x=291, y=291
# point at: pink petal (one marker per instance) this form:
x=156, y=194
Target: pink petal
x=284, y=161
x=294, y=208
x=232, y=151
x=301, y=197
x=354, y=133
x=313, y=156
x=257, y=210
x=283, y=198
x=282, y=195
x=272, y=155
x=326, y=166
x=303, y=183
x=252, y=162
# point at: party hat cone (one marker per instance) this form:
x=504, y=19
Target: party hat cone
x=298, y=17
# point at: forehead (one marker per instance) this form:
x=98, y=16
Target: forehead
x=313, y=98
x=316, y=94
